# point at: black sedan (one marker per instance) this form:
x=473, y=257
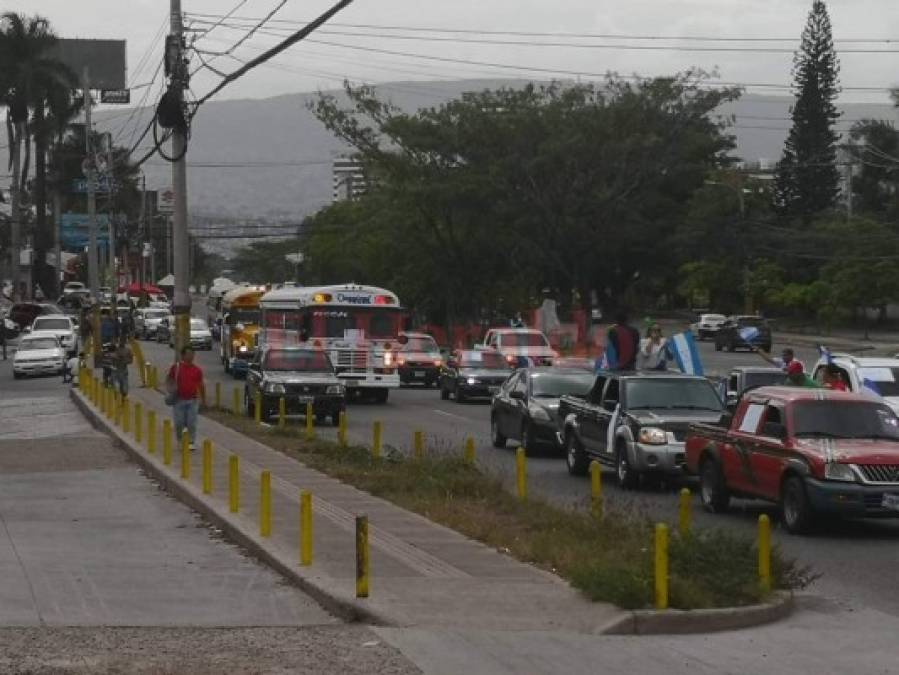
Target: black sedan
x=527, y=405
x=473, y=374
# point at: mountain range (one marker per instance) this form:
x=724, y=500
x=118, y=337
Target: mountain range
x=271, y=159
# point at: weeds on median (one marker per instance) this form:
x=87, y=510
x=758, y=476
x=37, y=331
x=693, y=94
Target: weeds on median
x=609, y=560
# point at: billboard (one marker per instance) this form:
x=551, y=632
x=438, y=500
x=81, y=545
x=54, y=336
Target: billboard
x=105, y=60
x=75, y=234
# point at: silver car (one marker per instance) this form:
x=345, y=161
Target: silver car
x=38, y=355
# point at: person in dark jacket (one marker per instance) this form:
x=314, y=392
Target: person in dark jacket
x=622, y=344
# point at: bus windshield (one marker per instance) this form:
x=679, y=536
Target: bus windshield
x=239, y=315
x=377, y=324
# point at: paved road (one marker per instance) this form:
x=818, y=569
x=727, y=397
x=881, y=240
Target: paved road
x=857, y=560
x=98, y=565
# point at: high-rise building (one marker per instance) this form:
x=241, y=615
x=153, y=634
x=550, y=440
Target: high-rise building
x=349, y=179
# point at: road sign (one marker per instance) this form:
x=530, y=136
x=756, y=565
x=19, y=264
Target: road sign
x=75, y=230
x=115, y=96
x=165, y=201
x=102, y=184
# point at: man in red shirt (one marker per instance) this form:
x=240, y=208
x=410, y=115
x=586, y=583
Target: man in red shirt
x=188, y=378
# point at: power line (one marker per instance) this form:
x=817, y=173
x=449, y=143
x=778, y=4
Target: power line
x=612, y=36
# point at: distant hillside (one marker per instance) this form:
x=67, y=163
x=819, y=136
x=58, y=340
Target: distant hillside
x=282, y=130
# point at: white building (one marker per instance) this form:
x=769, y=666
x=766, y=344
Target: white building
x=349, y=179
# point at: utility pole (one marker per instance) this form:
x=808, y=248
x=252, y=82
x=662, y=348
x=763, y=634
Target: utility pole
x=57, y=239
x=93, y=266
x=143, y=231
x=15, y=249
x=180, y=243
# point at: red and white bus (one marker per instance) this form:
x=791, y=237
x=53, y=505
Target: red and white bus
x=357, y=326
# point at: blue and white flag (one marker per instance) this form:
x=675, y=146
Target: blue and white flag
x=609, y=358
x=870, y=387
x=749, y=334
x=683, y=348
x=825, y=354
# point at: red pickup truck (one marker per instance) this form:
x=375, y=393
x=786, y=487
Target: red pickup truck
x=813, y=451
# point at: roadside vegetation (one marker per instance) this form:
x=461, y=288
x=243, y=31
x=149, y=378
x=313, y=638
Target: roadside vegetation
x=608, y=559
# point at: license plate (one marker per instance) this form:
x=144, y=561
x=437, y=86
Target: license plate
x=493, y=390
x=419, y=373
x=890, y=502
x=306, y=399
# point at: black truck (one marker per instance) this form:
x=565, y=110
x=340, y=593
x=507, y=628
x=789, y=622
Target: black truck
x=636, y=422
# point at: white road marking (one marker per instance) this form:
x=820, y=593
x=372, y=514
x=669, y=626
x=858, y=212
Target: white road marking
x=449, y=414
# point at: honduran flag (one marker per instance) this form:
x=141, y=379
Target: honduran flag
x=683, y=348
x=825, y=354
x=609, y=358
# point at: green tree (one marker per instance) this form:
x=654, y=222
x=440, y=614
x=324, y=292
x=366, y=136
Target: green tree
x=875, y=189
x=807, y=179
x=264, y=262
x=37, y=91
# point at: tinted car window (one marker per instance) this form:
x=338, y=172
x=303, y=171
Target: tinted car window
x=554, y=385
x=480, y=359
x=523, y=340
x=753, y=380
x=420, y=344
x=52, y=324
x=843, y=419
x=293, y=359
x=671, y=393
x=39, y=343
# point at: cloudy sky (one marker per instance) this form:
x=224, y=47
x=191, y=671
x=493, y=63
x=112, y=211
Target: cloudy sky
x=380, y=40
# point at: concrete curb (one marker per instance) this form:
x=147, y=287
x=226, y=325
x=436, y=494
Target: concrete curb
x=677, y=621
x=239, y=530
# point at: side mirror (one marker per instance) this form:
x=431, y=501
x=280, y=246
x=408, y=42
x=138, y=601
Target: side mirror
x=517, y=395
x=732, y=399
x=27, y=329
x=774, y=430
x=610, y=405
x=726, y=420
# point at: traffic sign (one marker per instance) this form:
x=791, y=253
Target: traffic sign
x=101, y=184
x=115, y=96
x=165, y=201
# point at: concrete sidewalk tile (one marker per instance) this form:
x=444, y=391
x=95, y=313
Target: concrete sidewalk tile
x=422, y=573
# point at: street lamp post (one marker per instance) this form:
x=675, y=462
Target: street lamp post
x=741, y=200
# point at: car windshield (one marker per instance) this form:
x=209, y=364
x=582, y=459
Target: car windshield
x=845, y=419
x=753, y=380
x=197, y=324
x=671, y=393
x=39, y=343
x=487, y=360
x=554, y=385
x=306, y=360
x=156, y=314
x=884, y=380
x=523, y=340
x=246, y=316
x=420, y=344
x=50, y=309
x=52, y=324
x=712, y=317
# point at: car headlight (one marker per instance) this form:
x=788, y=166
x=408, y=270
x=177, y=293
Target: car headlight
x=388, y=358
x=539, y=414
x=834, y=471
x=472, y=380
x=242, y=349
x=336, y=389
x=275, y=388
x=653, y=436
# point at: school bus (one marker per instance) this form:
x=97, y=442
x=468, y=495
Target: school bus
x=240, y=326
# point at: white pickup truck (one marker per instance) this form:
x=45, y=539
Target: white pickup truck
x=527, y=346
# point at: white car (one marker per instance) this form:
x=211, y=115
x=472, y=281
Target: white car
x=73, y=286
x=877, y=375
x=708, y=325
x=517, y=344
x=60, y=326
x=37, y=355
x=146, y=321
x=200, y=335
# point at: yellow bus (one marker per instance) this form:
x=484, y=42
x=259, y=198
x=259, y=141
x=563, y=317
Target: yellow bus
x=240, y=326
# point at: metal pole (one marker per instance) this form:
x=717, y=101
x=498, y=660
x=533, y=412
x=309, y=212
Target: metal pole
x=15, y=249
x=143, y=230
x=57, y=239
x=93, y=273
x=180, y=243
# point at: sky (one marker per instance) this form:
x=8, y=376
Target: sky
x=490, y=35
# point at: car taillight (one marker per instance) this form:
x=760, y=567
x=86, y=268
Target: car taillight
x=438, y=362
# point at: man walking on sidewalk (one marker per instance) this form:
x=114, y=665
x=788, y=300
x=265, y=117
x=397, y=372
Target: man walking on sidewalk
x=185, y=380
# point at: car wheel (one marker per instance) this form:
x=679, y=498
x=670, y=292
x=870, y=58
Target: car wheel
x=444, y=393
x=227, y=365
x=628, y=478
x=527, y=437
x=17, y=376
x=248, y=403
x=575, y=458
x=498, y=440
x=335, y=419
x=712, y=487
x=795, y=507
x=381, y=395
x=460, y=395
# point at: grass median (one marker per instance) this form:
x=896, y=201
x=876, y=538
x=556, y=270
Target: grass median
x=609, y=559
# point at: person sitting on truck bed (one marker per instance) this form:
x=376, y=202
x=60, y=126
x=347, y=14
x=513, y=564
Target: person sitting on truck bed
x=796, y=377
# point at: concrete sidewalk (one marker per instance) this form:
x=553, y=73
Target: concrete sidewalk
x=423, y=574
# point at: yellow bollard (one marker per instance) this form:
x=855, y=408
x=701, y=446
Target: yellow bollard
x=235, y=402
x=342, y=428
x=234, y=483
x=218, y=395
x=265, y=504
x=362, y=560
x=185, y=455
x=765, y=552
x=126, y=415
x=310, y=423
x=117, y=408
x=138, y=423
x=95, y=391
x=151, y=432
x=521, y=473
x=107, y=401
x=469, y=450
x=684, y=513
x=419, y=444
x=207, y=467
x=282, y=412
x=661, y=566
x=596, y=489
x=257, y=407
x=305, y=527
x=167, y=442
x=376, y=440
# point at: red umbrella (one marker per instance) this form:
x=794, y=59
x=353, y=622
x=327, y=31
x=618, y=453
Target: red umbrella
x=135, y=289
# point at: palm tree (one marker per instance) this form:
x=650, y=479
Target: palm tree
x=36, y=90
